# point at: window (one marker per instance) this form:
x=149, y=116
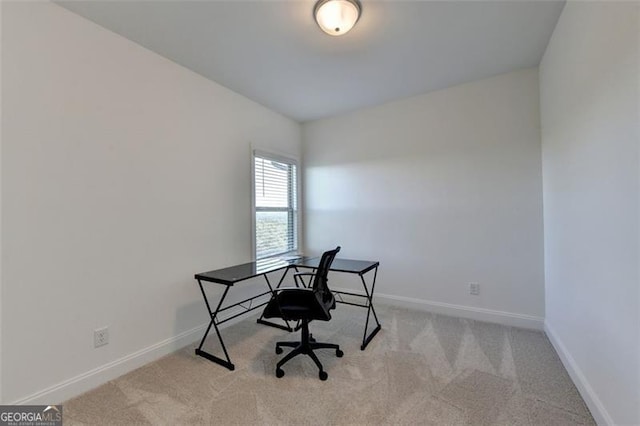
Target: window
x=275, y=204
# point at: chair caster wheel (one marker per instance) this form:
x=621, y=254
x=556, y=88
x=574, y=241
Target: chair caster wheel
x=278, y=350
x=339, y=353
x=279, y=372
x=323, y=375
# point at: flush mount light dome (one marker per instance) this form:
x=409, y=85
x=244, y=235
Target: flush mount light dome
x=337, y=17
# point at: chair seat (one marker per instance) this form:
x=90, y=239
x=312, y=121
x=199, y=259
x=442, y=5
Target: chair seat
x=298, y=303
x=293, y=312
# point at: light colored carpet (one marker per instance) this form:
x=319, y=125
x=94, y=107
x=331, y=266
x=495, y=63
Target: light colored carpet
x=421, y=369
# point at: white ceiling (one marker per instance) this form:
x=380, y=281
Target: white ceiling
x=274, y=53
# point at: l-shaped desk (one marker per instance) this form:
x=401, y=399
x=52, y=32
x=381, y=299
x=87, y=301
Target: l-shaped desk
x=228, y=277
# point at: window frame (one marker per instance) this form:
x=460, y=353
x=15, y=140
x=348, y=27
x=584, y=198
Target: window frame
x=296, y=210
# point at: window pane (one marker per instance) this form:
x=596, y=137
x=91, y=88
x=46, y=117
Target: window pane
x=273, y=234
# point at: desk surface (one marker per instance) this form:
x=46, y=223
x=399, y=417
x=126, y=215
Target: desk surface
x=234, y=274
x=340, y=265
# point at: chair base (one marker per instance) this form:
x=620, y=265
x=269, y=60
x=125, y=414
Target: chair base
x=305, y=346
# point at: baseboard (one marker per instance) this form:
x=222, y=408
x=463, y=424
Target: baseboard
x=597, y=408
x=91, y=379
x=478, y=314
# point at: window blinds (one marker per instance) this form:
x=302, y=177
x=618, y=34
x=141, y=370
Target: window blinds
x=275, y=206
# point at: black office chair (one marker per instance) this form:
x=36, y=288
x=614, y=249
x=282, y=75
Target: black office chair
x=305, y=304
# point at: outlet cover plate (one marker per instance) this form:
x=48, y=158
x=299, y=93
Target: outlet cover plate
x=100, y=337
x=474, y=289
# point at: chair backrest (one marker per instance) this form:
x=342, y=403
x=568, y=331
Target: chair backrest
x=320, y=280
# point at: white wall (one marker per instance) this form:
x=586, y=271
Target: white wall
x=444, y=189
x=123, y=174
x=1, y=96
x=589, y=80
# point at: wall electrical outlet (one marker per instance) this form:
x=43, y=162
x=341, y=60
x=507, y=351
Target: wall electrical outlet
x=100, y=337
x=474, y=289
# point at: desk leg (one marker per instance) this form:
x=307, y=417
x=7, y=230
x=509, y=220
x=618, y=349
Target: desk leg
x=213, y=315
x=370, y=309
x=261, y=320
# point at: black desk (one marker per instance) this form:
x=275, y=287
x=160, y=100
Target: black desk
x=234, y=274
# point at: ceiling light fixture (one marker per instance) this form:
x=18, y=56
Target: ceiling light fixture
x=336, y=17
